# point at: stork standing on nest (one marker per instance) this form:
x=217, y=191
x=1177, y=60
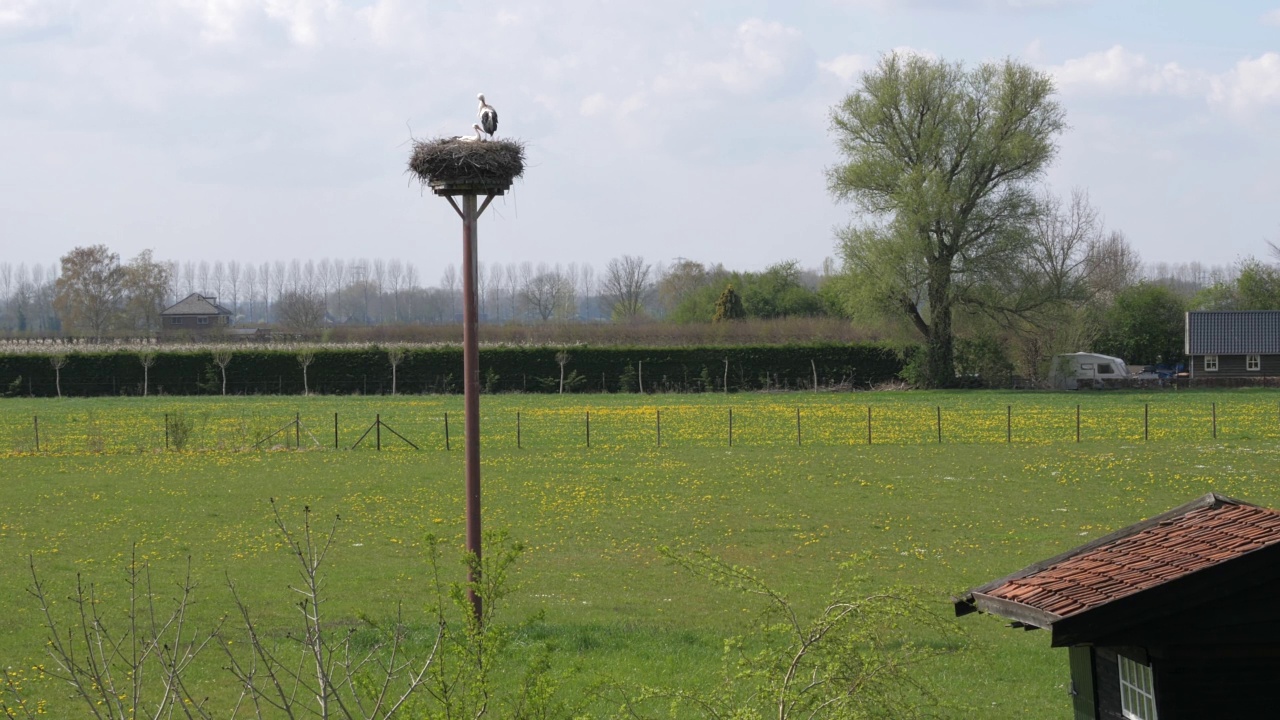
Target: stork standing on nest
x=469, y=138
x=488, y=117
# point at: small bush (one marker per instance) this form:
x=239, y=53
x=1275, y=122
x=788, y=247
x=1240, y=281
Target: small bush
x=181, y=428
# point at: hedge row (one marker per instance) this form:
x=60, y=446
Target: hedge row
x=439, y=370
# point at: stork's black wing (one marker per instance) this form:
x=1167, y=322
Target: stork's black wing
x=489, y=120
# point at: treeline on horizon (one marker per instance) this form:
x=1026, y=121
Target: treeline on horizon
x=1131, y=310
x=365, y=292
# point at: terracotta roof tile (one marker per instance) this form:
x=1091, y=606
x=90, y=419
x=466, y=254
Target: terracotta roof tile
x=1154, y=555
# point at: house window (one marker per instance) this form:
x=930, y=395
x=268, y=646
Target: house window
x=175, y=321
x=1252, y=362
x=1137, y=691
x=202, y=321
x=1211, y=363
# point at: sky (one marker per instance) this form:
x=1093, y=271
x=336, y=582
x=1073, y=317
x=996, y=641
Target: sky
x=260, y=130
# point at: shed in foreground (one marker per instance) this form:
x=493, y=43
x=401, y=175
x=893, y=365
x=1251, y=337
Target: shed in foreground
x=1174, y=617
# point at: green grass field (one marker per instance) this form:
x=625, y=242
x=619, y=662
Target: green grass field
x=938, y=517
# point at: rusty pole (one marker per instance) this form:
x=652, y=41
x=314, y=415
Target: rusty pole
x=471, y=391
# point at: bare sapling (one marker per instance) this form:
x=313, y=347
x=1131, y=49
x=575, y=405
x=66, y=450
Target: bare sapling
x=320, y=671
x=562, y=358
x=147, y=358
x=137, y=668
x=222, y=358
x=854, y=657
x=395, y=356
x=58, y=361
x=305, y=358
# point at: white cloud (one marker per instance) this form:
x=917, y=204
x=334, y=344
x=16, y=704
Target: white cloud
x=1252, y=84
x=1271, y=18
x=966, y=5
x=763, y=57
x=847, y=67
x=593, y=105
x=227, y=21
x=1123, y=72
x=19, y=14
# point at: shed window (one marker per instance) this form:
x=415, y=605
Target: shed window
x=1252, y=362
x=175, y=321
x=202, y=320
x=1211, y=363
x=1137, y=690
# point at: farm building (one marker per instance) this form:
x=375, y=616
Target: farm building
x=1237, y=344
x=194, y=314
x=1171, y=618
x=1071, y=371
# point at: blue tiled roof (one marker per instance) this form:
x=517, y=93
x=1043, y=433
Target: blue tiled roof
x=1255, y=332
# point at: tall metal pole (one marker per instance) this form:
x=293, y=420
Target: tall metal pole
x=471, y=391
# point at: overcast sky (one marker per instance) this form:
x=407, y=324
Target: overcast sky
x=271, y=129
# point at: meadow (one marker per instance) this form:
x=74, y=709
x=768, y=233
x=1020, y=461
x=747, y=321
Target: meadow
x=1007, y=484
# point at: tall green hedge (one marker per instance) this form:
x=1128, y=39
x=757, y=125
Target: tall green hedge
x=439, y=370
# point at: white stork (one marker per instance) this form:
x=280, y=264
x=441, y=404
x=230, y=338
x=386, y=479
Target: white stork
x=488, y=117
x=469, y=138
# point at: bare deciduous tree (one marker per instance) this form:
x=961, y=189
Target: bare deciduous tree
x=251, y=287
x=548, y=293
x=235, y=276
x=188, y=277
x=300, y=311
x=218, y=278
x=626, y=285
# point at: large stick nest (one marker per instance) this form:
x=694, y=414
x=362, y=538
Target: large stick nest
x=446, y=160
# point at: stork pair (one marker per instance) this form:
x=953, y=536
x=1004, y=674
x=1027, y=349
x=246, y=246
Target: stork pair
x=488, y=122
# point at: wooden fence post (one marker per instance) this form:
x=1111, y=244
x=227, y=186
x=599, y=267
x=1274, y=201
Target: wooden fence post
x=1077, y=423
x=377, y=423
x=798, y=442
x=297, y=431
x=447, y=447
x=1146, y=422
x=588, y=428
x=166, y=431
x=939, y=424
x=518, y=445
x=335, y=431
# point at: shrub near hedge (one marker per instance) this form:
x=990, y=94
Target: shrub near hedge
x=439, y=370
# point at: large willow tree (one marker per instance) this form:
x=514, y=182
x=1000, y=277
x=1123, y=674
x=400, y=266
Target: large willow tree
x=943, y=161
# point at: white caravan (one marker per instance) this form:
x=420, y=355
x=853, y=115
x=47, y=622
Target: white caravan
x=1071, y=371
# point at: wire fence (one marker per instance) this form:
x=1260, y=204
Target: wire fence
x=408, y=427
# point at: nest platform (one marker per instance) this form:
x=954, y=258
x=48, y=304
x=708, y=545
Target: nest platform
x=454, y=167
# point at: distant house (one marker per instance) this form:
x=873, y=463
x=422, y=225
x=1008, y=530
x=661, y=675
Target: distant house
x=1238, y=344
x=194, y=314
x=1174, y=617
